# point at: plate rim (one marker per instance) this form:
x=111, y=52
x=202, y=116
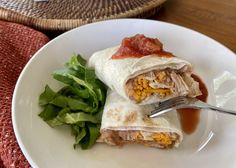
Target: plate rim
x=17, y=85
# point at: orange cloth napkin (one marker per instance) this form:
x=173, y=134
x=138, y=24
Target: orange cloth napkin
x=18, y=43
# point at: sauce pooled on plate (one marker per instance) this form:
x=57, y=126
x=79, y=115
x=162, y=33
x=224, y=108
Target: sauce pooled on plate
x=190, y=117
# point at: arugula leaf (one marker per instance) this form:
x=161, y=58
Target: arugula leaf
x=46, y=96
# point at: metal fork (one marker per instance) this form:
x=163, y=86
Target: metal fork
x=185, y=102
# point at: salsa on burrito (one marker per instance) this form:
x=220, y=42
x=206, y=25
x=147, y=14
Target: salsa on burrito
x=142, y=72
x=140, y=46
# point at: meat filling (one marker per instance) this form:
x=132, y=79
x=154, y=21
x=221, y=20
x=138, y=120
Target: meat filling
x=161, y=84
x=158, y=139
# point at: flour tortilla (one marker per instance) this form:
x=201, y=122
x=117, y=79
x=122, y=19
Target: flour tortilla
x=121, y=115
x=116, y=72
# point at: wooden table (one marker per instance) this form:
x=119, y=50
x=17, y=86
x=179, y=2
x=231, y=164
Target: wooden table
x=214, y=18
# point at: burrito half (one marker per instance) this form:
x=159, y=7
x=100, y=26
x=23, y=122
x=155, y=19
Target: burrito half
x=124, y=122
x=141, y=71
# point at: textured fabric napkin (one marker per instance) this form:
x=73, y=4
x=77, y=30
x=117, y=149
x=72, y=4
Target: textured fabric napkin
x=17, y=45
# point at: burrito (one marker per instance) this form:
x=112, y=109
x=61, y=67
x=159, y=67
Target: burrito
x=125, y=122
x=142, y=72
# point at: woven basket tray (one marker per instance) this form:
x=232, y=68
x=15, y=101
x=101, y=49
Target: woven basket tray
x=67, y=14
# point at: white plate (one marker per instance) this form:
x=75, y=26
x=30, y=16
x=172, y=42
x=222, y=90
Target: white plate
x=213, y=144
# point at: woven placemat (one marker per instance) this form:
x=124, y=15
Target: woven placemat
x=67, y=14
x=17, y=44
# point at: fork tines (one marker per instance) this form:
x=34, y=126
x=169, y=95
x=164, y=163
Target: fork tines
x=173, y=102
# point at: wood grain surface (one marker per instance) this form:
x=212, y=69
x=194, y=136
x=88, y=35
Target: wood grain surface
x=214, y=18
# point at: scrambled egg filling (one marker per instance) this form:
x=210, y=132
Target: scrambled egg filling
x=139, y=87
x=163, y=139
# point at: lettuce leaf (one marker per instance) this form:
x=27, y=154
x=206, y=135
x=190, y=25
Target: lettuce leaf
x=79, y=104
x=47, y=96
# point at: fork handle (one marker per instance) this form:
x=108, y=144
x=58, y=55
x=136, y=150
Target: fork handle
x=221, y=110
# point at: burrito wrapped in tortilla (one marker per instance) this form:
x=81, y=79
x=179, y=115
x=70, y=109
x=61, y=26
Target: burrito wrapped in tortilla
x=126, y=122
x=141, y=71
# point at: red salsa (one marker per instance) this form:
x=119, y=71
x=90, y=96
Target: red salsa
x=140, y=46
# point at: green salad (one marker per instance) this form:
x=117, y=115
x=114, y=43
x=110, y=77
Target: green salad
x=79, y=104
